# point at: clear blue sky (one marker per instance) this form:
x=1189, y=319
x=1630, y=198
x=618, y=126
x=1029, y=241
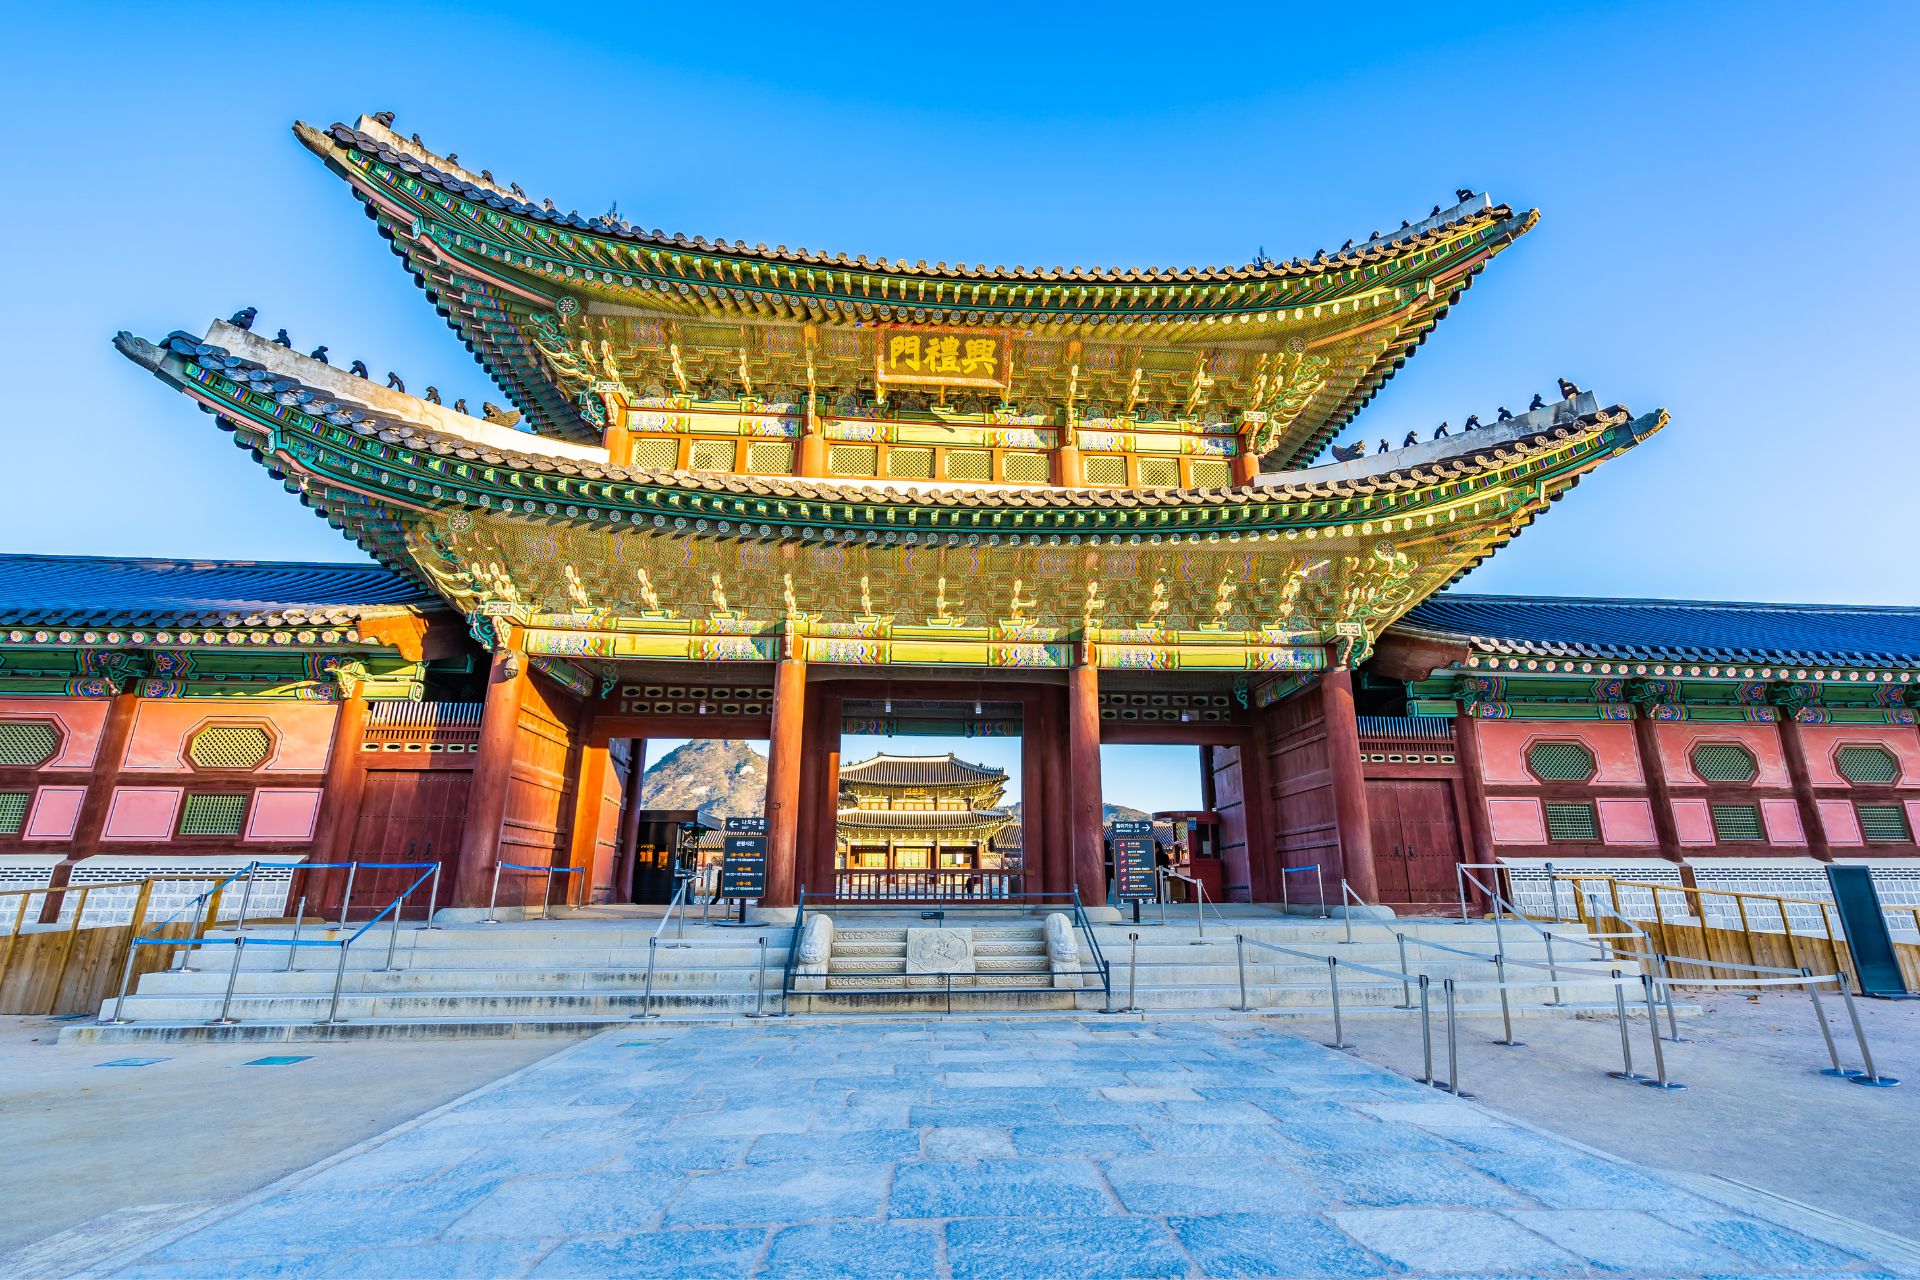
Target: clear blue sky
x=1727, y=192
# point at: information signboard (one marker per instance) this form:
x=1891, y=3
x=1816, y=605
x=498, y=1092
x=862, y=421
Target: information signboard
x=1133, y=860
x=743, y=861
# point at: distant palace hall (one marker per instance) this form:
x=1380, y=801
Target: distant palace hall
x=735, y=491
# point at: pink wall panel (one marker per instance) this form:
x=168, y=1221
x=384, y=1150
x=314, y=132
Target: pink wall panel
x=1825, y=740
x=1626, y=822
x=1842, y=824
x=1693, y=822
x=1763, y=740
x=303, y=733
x=283, y=813
x=1516, y=822
x=56, y=811
x=1782, y=818
x=1913, y=818
x=142, y=813
x=81, y=721
x=1504, y=743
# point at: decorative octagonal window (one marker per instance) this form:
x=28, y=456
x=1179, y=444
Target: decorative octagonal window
x=27, y=742
x=1870, y=765
x=229, y=746
x=1560, y=761
x=1724, y=762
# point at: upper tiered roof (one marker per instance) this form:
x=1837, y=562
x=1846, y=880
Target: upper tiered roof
x=920, y=771
x=565, y=309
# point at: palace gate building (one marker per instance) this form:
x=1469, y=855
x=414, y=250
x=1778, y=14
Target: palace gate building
x=751, y=492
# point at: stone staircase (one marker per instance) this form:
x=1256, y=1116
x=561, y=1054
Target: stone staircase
x=868, y=971
x=468, y=979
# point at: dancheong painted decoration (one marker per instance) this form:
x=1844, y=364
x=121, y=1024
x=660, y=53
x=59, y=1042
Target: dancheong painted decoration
x=725, y=453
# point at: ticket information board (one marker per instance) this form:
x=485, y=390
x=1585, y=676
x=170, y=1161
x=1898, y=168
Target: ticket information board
x=743, y=860
x=1133, y=860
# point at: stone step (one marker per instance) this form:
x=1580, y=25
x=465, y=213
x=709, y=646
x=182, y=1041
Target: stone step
x=213, y=984
x=417, y=1006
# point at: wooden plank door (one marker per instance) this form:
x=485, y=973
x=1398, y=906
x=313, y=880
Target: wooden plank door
x=1416, y=840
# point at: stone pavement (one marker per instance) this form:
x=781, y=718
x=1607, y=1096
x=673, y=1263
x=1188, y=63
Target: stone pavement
x=1082, y=1148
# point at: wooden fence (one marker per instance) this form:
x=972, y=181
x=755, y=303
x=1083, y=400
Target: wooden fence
x=1766, y=934
x=74, y=966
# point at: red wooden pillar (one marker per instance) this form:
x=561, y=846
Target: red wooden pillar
x=589, y=798
x=92, y=819
x=1653, y=770
x=1473, y=777
x=784, y=749
x=819, y=793
x=631, y=804
x=1349, y=785
x=1033, y=796
x=1794, y=746
x=492, y=777
x=340, y=800
x=1084, y=808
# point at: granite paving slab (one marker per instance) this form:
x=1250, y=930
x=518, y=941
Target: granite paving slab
x=1016, y=1148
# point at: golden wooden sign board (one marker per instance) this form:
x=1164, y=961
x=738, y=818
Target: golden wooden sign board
x=938, y=357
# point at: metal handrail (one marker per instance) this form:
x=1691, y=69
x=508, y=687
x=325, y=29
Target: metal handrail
x=546, y=897
x=1199, y=902
x=240, y=941
x=1320, y=890
x=1085, y=926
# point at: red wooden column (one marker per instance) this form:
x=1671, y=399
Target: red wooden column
x=819, y=793
x=1084, y=808
x=1473, y=777
x=1033, y=797
x=1794, y=746
x=622, y=889
x=1349, y=785
x=340, y=801
x=785, y=745
x=589, y=797
x=92, y=819
x=492, y=776
x=1653, y=770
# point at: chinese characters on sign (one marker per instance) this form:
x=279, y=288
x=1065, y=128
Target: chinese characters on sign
x=942, y=357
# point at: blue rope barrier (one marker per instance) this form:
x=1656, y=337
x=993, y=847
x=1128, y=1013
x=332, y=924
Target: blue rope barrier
x=1287, y=871
x=521, y=866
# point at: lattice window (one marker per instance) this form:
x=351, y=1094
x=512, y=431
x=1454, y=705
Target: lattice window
x=656, y=455
x=910, y=464
x=13, y=812
x=1868, y=765
x=213, y=815
x=770, y=457
x=1723, y=762
x=711, y=455
x=1028, y=468
x=229, y=746
x=27, y=742
x=1211, y=474
x=852, y=459
x=974, y=465
x=1569, y=821
x=1560, y=761
x=1159, y=473
x=1884, y=824
x=1105, y=469
x=1737, y=822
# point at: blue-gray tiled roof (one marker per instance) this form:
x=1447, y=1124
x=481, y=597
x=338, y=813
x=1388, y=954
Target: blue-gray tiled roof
x=1712, y=631
x=106, y=591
